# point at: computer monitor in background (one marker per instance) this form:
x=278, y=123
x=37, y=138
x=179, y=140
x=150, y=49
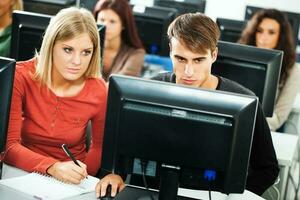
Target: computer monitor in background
x=27, y=34
x=192, y=134
x=231, y=30
x=183, y=6
x=255, y=68
x=50, y=7
x=152, y=24
x=294, y=19
x=7, y=72
x=101, y=30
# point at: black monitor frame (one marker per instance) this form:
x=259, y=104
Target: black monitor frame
x=7, y=72
x=149, y=17
x=231, y=30
x=33, y=24
x=234, y=59
x=183, y=6
x=294, y=19
x=160, y=121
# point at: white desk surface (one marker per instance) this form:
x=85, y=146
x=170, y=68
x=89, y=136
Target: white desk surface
x=285, y=147
x=8, y=172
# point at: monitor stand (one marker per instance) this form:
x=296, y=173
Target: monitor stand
x=134, y=193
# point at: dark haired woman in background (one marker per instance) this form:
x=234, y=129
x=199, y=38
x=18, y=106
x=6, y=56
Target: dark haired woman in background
x=123, y=49
x=270, y=29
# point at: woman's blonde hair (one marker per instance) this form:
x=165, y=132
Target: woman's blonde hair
x=18, y=5
x=67, y=24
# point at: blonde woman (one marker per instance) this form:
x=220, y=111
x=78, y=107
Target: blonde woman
x=55, y=95
x=6, y=9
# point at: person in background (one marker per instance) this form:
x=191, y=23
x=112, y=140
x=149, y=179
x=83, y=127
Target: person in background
x=6, y=9
x=193, y=41
x=49, y=90
x=123, y=49
x=270, y=29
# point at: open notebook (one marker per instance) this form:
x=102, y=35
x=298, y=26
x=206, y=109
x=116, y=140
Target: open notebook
x=47, y=187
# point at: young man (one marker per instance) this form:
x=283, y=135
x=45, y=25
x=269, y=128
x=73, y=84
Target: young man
x=193, y=49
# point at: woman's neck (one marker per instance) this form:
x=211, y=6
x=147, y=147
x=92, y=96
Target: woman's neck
x=64, y=88
x=113, y=45
x=5, y=20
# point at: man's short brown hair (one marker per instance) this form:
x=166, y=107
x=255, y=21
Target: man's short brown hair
x=195, y=31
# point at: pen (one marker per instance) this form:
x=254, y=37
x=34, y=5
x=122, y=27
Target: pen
x=69, y=154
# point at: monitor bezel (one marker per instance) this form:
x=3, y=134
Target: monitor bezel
x=7, y=66
x=122, y=89
x=271, y=59
x=29, y=20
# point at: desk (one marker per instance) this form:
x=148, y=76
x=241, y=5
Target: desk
x=8, y=194
x=285, y=147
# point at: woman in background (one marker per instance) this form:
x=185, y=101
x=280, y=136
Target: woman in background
x=270, y=29
x=123, y=49
x=6, y=9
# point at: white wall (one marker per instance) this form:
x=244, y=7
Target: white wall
x=235, y=9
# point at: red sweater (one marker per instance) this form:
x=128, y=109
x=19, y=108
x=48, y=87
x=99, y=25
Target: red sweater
x=40, y=122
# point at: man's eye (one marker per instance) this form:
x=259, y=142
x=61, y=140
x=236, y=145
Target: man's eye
x=197, y=61
x=180, y=60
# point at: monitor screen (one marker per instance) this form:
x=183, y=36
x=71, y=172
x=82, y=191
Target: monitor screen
x=189, y=130
x=183, y=6
x=255, y=68
x=294, y=19
x=152, y=24
x=27, y=34
x=231, y=30
x=7, y=72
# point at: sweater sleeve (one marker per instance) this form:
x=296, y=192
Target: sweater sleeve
x=134, y=63
x=17, y=154
x=263, y=167
x=94, y=155
x=285, y=99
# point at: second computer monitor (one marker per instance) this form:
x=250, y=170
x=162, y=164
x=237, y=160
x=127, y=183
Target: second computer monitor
x=231, y=30
x=183, y=6
x=27, y=34
x=255, y=68
x=152, y=24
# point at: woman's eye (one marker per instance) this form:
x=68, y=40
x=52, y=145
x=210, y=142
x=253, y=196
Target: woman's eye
x=87, y=52
x=67, y=50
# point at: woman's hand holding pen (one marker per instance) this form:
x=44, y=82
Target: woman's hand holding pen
x=68, y=171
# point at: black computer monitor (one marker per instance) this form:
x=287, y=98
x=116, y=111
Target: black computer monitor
x=183, y=6
x=231, y=30
x=294, y=19
x=50, y=7
x=152, y=24
x=27, y=34
x=255, y=68
x=7, y=72
x=189, y=132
